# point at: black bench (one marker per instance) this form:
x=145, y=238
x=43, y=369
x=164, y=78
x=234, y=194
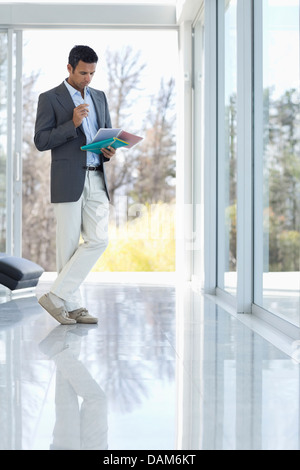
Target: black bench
x=18, y=273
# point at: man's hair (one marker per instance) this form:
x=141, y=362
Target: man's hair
x=84, y=53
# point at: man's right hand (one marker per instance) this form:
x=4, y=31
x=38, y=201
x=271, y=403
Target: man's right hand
x=79, y=114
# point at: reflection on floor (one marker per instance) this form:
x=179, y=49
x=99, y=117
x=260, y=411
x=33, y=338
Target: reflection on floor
x=165, y=369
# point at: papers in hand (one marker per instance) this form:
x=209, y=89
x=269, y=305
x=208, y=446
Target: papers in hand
x=96, y=147
x=104, y=134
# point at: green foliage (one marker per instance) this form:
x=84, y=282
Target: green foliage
x=289, y=251
x=282, y=180
x=232, y=230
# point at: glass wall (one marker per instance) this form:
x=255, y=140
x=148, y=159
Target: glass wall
x=3, y=135
x=141, y=92
x=227, y=145
x=277, y=158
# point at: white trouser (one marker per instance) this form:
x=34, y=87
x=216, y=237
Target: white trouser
x=87, y=217
x=78, y=427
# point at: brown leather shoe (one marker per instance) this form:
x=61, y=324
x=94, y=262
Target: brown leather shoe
x=81, y=315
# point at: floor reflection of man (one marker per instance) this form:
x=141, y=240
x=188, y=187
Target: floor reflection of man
x=81, y=424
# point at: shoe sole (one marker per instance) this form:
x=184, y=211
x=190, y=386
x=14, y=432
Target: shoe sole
x=88, y=321
x=56, y=313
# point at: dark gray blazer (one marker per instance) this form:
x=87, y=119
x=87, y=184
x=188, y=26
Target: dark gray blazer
x=55, y=131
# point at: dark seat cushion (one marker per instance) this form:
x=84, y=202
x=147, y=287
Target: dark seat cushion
x=18, y=273
x=13, y=284
x=20, y=269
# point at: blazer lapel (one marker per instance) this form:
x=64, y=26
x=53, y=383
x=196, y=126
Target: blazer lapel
x=65, y=99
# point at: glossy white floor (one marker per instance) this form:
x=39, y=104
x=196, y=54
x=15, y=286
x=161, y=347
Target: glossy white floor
x=165, y=369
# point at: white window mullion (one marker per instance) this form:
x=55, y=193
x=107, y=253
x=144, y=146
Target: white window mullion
x=221, y=203
x=17, y=176
x=244, y=158
x=184, y=225
x=210, y=147
x=258, y=152
x=9, y=150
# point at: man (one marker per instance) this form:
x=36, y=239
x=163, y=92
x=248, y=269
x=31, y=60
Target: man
x=68, y=117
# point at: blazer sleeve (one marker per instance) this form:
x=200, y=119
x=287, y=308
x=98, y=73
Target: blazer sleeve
x=49, y=133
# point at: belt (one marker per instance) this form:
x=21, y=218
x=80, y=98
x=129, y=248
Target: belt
x=92, y=168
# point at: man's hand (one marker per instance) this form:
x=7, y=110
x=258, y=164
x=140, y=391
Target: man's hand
x=79, y=114
x=108, y=152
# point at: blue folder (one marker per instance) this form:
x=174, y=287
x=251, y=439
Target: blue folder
x=96, y=147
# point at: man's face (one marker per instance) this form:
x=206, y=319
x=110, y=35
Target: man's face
x=82, y=75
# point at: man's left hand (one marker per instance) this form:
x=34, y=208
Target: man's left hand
x=108, y=152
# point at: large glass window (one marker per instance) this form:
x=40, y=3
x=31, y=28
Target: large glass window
x=277, y=158
x=141, y=92
x=227, y=145
x=3, y=136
